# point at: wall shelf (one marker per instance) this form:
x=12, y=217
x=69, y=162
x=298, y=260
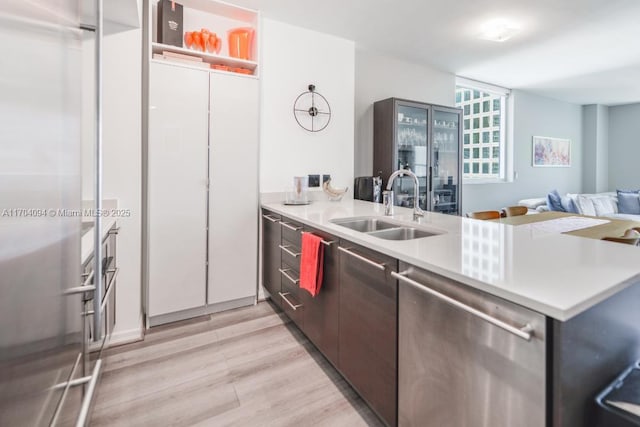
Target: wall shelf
x=218, y=17
x=209, y=58
x=194, y=67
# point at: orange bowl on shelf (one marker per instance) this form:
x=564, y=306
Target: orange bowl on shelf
x=240, y=42
x=220, y=67
x=242, y=70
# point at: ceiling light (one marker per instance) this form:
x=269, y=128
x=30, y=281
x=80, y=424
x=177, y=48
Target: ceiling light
x=498, y=31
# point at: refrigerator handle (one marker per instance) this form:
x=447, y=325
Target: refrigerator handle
x=430, y=178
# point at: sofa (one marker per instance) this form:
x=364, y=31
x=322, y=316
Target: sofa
x=620, y=204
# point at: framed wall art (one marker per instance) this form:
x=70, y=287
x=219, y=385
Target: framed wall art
x=551, y=152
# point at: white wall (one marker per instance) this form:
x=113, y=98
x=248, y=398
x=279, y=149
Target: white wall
x=380, y=77
x=292, y=58
x=533, y=115
x=122, y=169
x=624, y=147
x=602, y=150
x=595, y=133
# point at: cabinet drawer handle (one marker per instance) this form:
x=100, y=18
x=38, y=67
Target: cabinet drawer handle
x=525, y=332
x=290, y=227
x=284, y=297
x=325, y=242
x=285, y=248
x=270, y=218
x=285, y=274
x=378, y=265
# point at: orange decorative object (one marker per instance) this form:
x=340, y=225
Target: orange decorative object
x=220, y=67
x=188, y=39
x=197, y=41
x=213, y=43
x=240, y=42
x=242, y=70
x=203, y=40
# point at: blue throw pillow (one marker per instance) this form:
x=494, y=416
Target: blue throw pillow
x=568, y=204
x=554, y=201
x=628, y=202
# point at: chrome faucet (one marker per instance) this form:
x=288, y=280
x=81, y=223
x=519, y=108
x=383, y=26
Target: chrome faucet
x=388, y=200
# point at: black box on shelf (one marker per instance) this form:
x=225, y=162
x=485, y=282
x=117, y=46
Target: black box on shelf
x=170, y=28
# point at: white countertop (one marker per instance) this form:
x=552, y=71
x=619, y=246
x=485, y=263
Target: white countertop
x=555, y=274
x=86, y=245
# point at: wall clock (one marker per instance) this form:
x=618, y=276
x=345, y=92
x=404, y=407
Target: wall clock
x=311, y=110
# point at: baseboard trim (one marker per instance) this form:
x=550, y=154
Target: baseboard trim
x=128, y=336
x=200, y=311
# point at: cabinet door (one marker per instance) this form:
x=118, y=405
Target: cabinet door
x=411, y=136
x=271, y=254
x=233, y=196
x=445, y=160
x=177, y=185
x=321, y=311
x=367, y=337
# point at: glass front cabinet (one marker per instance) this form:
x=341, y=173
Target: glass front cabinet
x=425, y=138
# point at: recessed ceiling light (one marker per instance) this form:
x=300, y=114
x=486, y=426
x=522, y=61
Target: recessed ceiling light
x=498, y=31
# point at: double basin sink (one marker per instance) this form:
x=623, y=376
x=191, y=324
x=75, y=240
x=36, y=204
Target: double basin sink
x=385, y=229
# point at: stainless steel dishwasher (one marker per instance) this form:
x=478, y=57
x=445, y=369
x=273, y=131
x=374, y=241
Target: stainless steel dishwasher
x=467, y=358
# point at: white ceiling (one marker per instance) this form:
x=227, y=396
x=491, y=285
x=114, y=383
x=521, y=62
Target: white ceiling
x=580, y=51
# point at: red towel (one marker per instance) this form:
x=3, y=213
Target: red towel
x=311, y=263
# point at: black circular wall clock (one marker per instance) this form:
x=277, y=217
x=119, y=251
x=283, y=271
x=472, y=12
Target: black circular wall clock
x=311, y=110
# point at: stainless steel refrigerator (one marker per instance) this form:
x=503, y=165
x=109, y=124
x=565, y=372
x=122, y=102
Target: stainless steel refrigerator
x=41, y=319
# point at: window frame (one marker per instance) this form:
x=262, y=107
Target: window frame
x=505, y=144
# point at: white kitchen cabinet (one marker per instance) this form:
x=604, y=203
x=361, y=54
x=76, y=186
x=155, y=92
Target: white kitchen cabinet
x=177, y=188
x=233, y=201
x=203, y=131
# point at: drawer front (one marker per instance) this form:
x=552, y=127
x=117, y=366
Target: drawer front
x=289, y=277
x=290, y=256
x=271, y=262
x=291, y=232
x=290, y=299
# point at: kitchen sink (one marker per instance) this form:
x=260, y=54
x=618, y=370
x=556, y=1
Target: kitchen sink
x=385, y=229
x=402, y=233
x=365, y=225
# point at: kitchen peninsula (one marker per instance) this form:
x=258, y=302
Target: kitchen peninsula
x=525, y=326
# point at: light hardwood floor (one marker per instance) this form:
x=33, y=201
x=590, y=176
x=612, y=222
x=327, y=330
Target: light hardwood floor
x=245, y=367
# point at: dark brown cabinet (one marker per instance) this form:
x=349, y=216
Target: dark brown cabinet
x=425, y=138
x=352, y=320
x=368, y=327
x=321, y=311
x=271, y=239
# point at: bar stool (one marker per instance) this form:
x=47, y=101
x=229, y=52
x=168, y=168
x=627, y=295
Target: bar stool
x=514, y=211
x=484, y=215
